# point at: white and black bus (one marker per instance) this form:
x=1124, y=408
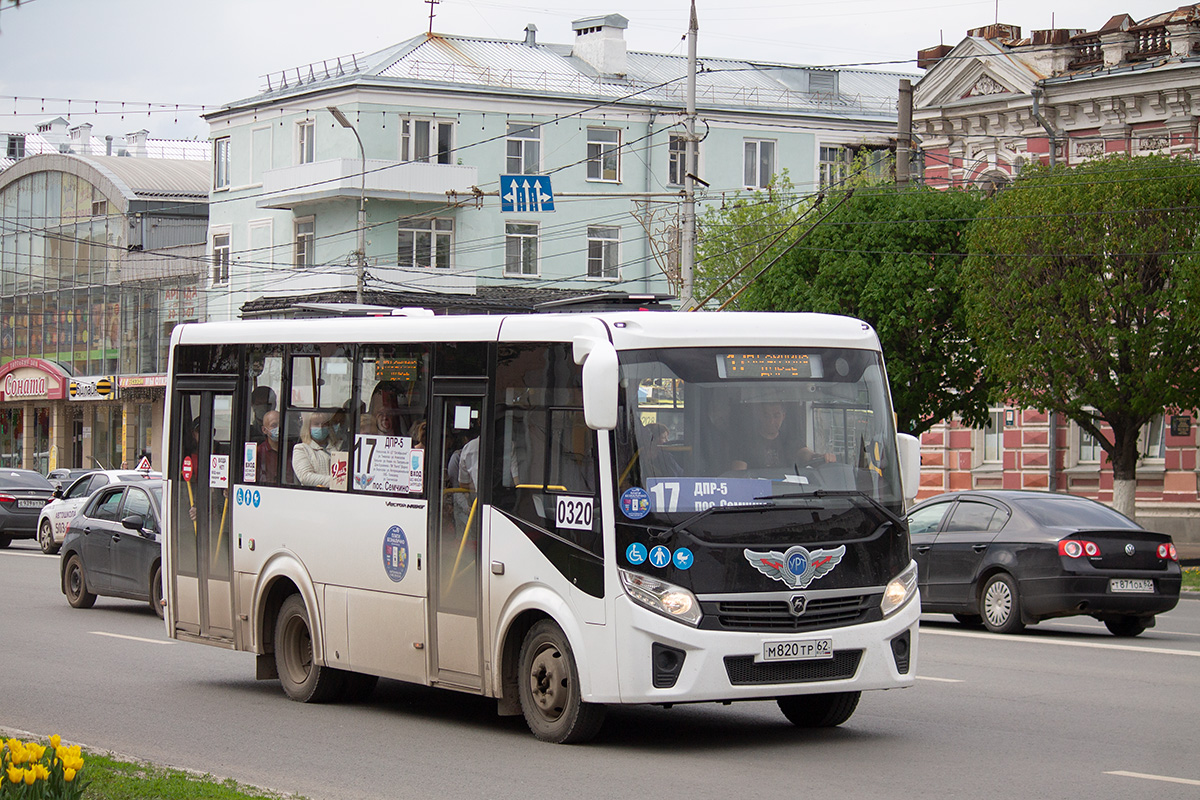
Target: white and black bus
x=561, y=511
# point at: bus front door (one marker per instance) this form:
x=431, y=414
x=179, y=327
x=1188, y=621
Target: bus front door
x=201, y=513
x=454, y=542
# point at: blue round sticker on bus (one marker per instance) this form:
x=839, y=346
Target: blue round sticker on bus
x=395, y=553
x=635, y=502
x=683, y=558
x=636, y=553
x=660, y=556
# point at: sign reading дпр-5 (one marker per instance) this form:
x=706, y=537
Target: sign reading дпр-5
x=93, y=387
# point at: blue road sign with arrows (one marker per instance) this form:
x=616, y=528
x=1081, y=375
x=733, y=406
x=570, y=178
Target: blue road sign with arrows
x=526, y=193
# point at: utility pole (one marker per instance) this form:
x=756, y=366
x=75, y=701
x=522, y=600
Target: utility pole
x=904, y=133
x=687, y=256
x=361, y=254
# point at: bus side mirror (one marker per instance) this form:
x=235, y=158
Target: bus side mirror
x=909, y=449
x=599, y=360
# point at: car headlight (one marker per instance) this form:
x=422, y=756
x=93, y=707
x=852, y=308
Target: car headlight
x=899, y=590
x=661, y=597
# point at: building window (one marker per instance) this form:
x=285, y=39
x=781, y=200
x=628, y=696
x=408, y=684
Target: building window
x=523, y=149
x=220, y=258
x=1152, y=444
x=677, y=166
x=221, y=163
x=306, y=135
x=425, y=243
x=305, y=242
x=759, y=163
x=834, y=165
x=993, y=438
x=1089, y=448
x=16, y=147
x=603, y=246
x=603, y=154
x=520, y=248
x=426, y=140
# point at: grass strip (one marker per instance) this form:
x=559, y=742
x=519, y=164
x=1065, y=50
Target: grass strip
x=1191, y=579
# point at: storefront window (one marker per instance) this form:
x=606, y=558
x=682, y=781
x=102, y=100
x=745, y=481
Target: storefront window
x=10, y=437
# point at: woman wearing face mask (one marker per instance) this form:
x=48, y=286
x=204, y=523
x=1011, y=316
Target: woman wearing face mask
x=268, y=449
x=312, y=458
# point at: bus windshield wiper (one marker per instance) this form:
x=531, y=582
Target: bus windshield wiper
x=853, y=494
x=701, y=514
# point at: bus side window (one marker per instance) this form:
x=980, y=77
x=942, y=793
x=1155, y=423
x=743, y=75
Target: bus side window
x=265, y=387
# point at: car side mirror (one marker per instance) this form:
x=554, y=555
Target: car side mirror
x=58, y=492
x=909, y=451
x=134, y=522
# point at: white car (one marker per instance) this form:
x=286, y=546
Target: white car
x=58, y=513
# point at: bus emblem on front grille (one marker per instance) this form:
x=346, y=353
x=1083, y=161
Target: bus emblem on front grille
x=798, y=567
x=797, y=604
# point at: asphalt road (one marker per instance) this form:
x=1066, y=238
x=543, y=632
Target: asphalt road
x=1064, y=710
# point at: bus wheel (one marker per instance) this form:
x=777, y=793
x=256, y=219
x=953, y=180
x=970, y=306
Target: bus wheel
x=77, y=593
x=301, y=678
x=819, y=710
x=548, y=685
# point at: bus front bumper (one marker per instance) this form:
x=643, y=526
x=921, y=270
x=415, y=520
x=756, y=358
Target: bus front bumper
x=664, y=661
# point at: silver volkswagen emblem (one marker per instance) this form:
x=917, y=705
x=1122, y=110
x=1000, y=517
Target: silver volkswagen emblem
x=798, y=603
x=1129, y=549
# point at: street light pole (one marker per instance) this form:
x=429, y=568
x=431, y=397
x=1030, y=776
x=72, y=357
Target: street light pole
x=361, y=255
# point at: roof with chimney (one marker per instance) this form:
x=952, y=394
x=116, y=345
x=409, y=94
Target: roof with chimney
x=526, y=67
x=57, y=135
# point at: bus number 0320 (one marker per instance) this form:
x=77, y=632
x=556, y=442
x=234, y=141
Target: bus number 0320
x=574, y=512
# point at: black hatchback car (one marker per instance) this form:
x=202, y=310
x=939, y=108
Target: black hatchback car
x=112, y=546
x=23, y=492
x=1007, y=559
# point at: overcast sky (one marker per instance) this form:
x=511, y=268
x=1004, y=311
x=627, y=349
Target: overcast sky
x=211, y=52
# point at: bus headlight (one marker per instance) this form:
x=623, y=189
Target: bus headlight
x=899, y=589
x=661, y=597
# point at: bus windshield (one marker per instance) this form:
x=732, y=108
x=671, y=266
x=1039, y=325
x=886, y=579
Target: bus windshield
x=710, y=428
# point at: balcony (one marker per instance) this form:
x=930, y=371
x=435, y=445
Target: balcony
x=295, y=187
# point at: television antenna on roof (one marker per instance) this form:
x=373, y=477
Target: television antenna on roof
x=432, y=4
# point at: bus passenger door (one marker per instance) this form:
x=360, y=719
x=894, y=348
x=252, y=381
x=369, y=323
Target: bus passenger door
x=201, y=510
x=454, y=538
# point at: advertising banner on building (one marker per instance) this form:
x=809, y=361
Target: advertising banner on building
x=93, y=387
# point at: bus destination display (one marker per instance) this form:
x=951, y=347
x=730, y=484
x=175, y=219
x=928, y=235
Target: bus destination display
x=768, y=365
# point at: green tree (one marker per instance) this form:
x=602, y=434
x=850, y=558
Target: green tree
x=893, y=258
x=1084, y=291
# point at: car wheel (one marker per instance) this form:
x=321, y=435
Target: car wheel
x=156, y=592
x=1000, y=605
x=548, y=687
x=302, y=679
x=77, y=592
x=1125, y=626
x=4, y=540
x=819, y=710
x=970, y=620
x=46, y=538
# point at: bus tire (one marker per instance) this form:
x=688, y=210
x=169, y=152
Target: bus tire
x=548, y=687
x=819, y=710
x=302, y=679
x=76, y=585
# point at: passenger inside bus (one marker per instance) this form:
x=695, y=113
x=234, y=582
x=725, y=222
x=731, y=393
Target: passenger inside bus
x=657, y=461
x=383, y=413
x=312, y=458
x=267, y=457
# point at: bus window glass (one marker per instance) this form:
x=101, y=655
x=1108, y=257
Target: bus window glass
x=316, y=436
x=203, y=359
x=544, y=468
x=388, y=453
x=263, y=421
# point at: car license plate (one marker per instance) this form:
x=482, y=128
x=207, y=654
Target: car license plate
x=1131, y=585
x=30, y=503
x=806, y=650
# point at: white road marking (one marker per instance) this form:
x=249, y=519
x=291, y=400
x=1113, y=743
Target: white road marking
x=1064, y=642
x=38, y=554
x=939, y=680
x=1163, y=778
x=132, y=638
x=1099, y=627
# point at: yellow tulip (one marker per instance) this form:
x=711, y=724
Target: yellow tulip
x=15, y=774
x=36, y=751
x=30, y=777
x=55, y=741
x=42, y=773
x=68, y=774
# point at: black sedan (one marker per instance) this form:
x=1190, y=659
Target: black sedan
x=1007, y=559
x=112, y=546
x=23, y=492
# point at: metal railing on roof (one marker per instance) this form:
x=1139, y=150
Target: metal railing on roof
x=311, y=73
